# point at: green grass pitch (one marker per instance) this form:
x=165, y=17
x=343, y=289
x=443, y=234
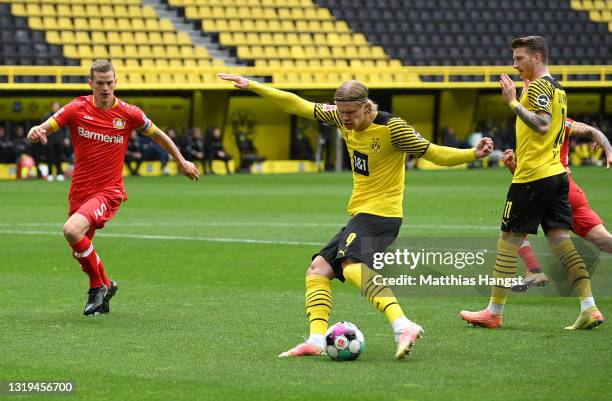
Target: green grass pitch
x=211, y=279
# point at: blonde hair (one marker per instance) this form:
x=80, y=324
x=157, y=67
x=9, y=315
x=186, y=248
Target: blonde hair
x=101, y=66
x=355, y=91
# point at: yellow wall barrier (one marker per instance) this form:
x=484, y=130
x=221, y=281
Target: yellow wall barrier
x=404, y=77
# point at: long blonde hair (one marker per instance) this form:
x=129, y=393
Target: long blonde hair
x=355, y=91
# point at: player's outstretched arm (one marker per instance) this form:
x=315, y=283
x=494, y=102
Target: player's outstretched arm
x=539, y=122
x=447, y=156
x=287, y=101
x=582, y=129
x=187, y=168
x=39, y=133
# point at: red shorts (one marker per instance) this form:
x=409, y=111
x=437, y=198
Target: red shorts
x=98, y=210
x=583, y=217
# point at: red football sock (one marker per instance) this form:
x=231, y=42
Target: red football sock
x=85, y=253
x=103, y=273
x=526, y=253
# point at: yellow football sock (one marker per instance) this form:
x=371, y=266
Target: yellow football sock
x=505, y=267
x=318, y=303
x=572, y=262
x=380, y=296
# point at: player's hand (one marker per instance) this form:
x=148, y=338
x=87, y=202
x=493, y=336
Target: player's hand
x=484, y=147
x=189, y=170
x=608, y=158
x=37, y=135
x=508, y=159
x=239, y=82
x=508, y=89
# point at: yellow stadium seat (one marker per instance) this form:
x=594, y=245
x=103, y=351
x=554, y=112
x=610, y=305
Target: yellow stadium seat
x=266, y=38
x=154, y=38
x=115, y=51
x=96, y=24
x=297, y=52
x=135, y=78
x=191, y=63
x=161, y=63
x=127, y=38
x=168, y=38
x=324, y=26
x=252, y=38
x=130, y=50
x=92, y=9
x=78, y=10
x=63, y=23
x=201, y=52
x=184, y=38
x=158, y=51
x=173, y=51
x=192, y=12
x=176, y=62
x=283, y=51
x=53, y=37
x=106, y=11
x=135, y=11
x=148, y=63
x=82, y=37
x=98, y=37
x=149, y=12
x=187, y=52
x=324, y=52
x=48, y=10
x=124, y=24
x=323, y=13
x=49, y=23
x=112, y=38
x=84, y=51
x=121, y=11
x=67, y=37
x=109, y=24
x=261, y=25
x=341, y=26
x=117, y=63
x=302, y=26
x=144, y=51
x=19, y=10
x=141, y=37
x=165, y=24
x=33, y=9
x=70, y=51
x=132, y=62
x=235, y=25
x=309, y=13
x=36, y=23
x=99, y=51
x=285, y=25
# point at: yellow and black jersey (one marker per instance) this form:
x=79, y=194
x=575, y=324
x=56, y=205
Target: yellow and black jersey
x=378, y=157
x=537, y=155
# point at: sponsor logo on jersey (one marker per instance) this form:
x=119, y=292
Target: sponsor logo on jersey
x=96, y=136
x=543, y=100
x=119, y=123
x=88, y=117
x=329, y=107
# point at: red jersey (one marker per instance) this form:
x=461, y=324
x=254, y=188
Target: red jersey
x=569, y=125
x=100, y=139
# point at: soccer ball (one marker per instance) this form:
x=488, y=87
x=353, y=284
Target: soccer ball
x=344, y=342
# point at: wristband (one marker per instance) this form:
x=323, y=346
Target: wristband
x=513, y=104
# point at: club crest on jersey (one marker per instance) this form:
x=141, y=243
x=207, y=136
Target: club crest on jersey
x=119, y=123
x=375, y=144
x=543, y=100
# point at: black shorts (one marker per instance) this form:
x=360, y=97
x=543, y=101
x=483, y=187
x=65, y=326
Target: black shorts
x=364, y=235
x=543, y=201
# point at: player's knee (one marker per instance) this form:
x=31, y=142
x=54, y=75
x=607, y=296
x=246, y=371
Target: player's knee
x=71, y=232
x=319, y=266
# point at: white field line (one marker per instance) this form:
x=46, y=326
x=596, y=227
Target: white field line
x=170, y=238
x=256, y=224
